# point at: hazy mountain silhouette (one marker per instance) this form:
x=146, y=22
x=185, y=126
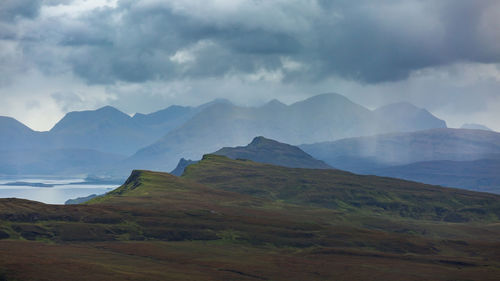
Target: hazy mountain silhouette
x=106, y=129
x=364, y=154
x=160, y=138
x=15, y=135
x=479, y=175
x=405, y=117
x=56, y=161
x=320, y=118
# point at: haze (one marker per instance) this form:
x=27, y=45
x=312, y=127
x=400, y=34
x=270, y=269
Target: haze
x=58, y=56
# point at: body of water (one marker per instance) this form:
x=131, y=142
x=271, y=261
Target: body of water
x=57, y=194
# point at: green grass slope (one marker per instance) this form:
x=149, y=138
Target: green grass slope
x=344, y=191
x=239, y=220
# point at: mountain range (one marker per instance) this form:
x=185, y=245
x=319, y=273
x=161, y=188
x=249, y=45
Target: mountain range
x=157, y=140
x=320, y=118
x=451, y=157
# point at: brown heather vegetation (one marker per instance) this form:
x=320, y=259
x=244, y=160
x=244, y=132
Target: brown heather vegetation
x=239, y=220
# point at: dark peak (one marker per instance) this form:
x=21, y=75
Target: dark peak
x=111, y=111
x=275, y=103
x=261, y=140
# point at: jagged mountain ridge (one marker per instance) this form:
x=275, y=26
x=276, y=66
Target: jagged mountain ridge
x=320, y=118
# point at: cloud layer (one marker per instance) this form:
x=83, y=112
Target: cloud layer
x=280, y=42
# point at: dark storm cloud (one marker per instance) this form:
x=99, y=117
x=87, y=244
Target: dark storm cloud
x=14, y=9
x=361, y=40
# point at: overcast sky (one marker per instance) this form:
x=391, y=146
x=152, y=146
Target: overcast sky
x=143, y=55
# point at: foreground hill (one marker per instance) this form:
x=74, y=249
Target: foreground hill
x=320, y=118
x=342, y=190
x=240, y=220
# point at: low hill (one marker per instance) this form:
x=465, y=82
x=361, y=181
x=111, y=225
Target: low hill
x=342, y=190
x=269, y=151
x=230, y=219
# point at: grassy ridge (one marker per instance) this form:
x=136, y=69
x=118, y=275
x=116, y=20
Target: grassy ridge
x=239, y=220
x=345, y=191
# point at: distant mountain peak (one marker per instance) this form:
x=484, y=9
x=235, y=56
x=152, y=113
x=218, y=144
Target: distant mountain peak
x=328, y=97
x=269, y=151
x=275, y=103
x=108, y=108
x=261, y=140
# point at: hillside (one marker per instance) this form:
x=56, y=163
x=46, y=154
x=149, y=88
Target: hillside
x=320, y=118
x=263, y=150
x=239, y=220
x=269, y=151
x=341, y=190
x=219, y=223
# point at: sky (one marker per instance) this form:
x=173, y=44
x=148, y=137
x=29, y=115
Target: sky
x=58, y=56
